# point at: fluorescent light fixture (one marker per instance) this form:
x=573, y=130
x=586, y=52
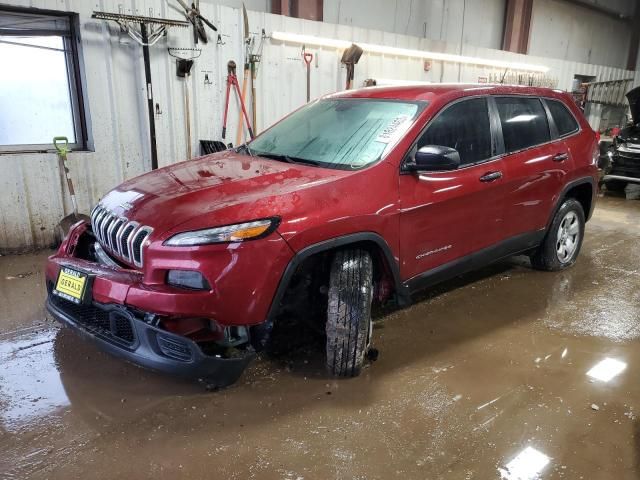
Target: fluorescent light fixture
x=405, y=52
x=527, y=465
x=607, y=369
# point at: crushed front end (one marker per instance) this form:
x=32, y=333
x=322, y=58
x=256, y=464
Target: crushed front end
x=624, y=157
x=183, y=311
x=623, y=162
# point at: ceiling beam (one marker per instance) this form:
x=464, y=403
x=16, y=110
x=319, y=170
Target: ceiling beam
x=307, y=9
x=517, y=26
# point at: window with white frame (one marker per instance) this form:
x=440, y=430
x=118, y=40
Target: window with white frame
x=40, y=90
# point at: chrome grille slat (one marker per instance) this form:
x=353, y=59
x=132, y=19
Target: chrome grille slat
x=137, y=244
x=122, y=238
x=98, y=219
x=107, y=219
x=123, y=241
x=93, y=216
x=101, y=220
x=105, y=229
x=111, y=233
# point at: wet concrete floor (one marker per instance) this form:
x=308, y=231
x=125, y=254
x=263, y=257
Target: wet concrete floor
x=506, y=373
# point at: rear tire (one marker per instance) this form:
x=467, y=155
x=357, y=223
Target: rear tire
x=348, y=325
x=562, y=243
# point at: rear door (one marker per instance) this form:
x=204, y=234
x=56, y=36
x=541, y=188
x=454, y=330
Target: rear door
x=446, y=215
x=536, y=162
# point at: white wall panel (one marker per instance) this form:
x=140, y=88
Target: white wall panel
x=563, y=30
x=446, y=20
x=30, y=204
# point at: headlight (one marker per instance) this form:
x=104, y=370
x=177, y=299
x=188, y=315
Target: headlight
x=231, y=233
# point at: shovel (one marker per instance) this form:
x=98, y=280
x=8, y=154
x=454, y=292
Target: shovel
x=308, y=58
x=63, y=227
x=350, y=58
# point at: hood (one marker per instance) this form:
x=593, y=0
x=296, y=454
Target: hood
x=217, y=189
x=633, y=96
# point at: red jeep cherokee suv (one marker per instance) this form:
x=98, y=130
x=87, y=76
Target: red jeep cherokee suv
x=357, y=197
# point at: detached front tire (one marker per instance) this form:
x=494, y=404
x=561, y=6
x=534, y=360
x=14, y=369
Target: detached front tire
x=348, y=325
x=562, y=243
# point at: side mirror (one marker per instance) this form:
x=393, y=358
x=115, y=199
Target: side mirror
x=432, y=158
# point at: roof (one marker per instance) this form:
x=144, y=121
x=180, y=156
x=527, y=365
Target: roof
x=451, y=90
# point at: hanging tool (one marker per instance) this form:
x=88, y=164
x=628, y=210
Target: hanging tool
x=350, y=58
x=232, y=79
x=65, y=224
x=308, y=58
x=193, y=15
x=254, y=60
x=245, y=77
x=183, y=70
x=150, y=31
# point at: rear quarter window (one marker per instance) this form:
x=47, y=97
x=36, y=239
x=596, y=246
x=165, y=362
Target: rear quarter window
x=562, y=117
x=524, y=122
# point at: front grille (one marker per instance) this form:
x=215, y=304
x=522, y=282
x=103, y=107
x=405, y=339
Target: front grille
x=122, y=238
x=111, y=324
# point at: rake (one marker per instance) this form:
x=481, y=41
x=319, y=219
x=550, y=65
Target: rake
x=146, y=31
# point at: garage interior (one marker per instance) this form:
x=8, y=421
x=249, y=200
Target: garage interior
x=505, y=372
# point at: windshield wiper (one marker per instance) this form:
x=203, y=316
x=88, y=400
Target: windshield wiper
x=286, y=158
x=246, y=148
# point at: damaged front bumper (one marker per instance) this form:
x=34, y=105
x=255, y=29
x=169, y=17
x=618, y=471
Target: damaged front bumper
x=124, y=333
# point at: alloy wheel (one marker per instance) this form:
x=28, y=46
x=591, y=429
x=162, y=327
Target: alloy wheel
x=568, y=237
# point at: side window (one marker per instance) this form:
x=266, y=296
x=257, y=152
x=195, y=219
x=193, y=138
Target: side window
x=565, y=122
x=463, y=126
x=524, y=122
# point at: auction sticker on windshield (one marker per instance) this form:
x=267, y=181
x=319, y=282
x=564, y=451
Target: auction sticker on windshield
x=395, y=129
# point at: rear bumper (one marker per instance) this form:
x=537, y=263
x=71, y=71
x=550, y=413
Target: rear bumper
x=120, y=332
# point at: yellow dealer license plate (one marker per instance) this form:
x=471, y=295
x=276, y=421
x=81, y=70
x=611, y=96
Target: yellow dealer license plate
x=71, y=285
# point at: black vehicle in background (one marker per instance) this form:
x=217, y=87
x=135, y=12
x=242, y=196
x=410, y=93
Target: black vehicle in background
x=623, y=165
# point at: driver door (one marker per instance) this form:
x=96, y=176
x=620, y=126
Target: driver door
x=446, y=215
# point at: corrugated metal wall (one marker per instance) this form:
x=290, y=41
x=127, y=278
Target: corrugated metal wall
x=30, y=197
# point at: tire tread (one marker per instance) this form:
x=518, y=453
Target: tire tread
x=349, y=311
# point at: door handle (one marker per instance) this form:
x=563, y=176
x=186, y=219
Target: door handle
x=491, y=176
x=561, y=157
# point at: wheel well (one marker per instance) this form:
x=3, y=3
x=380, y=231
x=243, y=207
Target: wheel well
x=319, y=264
x=300, y=314
x=583, y=193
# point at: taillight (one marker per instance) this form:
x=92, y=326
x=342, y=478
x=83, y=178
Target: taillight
x=597, y=136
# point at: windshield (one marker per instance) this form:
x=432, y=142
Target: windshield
x=338, y=133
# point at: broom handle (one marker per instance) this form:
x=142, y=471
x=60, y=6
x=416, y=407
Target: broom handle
x=62, y=159
x=244, y=96
x=187, y=114
x=253, y=99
